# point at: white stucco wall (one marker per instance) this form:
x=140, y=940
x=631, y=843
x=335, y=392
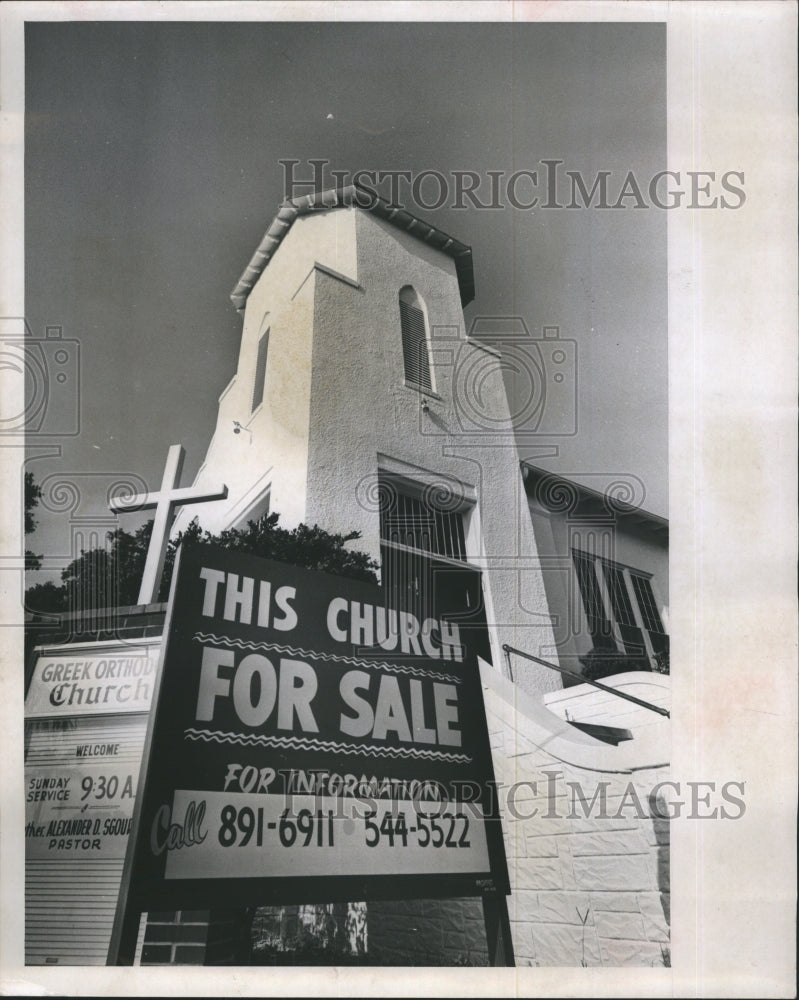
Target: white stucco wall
x=610, y=867
x=274, y=452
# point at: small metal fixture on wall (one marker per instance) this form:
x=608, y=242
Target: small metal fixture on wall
x=238, y=428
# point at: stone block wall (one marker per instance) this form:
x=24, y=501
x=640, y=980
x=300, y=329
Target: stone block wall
x=588, y=862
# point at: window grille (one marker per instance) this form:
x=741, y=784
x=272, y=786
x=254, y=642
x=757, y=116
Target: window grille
x=619, y=599
x=599, y=625
x=649, y=613
x=424, y=569
x=646, y=602
x=419, y=524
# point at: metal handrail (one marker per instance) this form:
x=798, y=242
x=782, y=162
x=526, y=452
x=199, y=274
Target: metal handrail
x=584, y=680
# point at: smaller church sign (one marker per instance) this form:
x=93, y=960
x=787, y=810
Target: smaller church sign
x=72, y=683
x=310, y=743
x=86, y=719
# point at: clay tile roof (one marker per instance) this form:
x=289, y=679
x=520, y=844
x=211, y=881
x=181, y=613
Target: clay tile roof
x=345, y=197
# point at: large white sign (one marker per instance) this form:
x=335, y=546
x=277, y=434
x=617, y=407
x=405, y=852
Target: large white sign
x=235, y=835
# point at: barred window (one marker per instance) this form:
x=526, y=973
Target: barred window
x=418, y=523
x=414, y=338
x=425, y=570
x=649, y=613
x=646, y=602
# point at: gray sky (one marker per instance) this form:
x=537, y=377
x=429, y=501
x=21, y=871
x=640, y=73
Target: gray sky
x=152, y=172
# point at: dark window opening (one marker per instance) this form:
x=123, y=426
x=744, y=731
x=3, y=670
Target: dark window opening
x=418, y=583
x=631, y=636
x=651, y=618
x=418, y=535
x=600, y=626
x=260, y=372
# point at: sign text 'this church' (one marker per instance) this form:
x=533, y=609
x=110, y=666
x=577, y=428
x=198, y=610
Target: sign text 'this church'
x=251, y=602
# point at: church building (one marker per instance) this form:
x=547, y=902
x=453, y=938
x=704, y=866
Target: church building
x=360, y=402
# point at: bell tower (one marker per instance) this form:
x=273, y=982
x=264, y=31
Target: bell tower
x=360, y=403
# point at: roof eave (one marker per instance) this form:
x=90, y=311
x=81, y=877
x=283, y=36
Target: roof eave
x=637, y=515
x=352, y=196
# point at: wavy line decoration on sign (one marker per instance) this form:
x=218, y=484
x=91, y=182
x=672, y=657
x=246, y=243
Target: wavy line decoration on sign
x=274, y=647
x=301, y=743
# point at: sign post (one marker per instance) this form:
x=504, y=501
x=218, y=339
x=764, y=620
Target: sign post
x=308, y=744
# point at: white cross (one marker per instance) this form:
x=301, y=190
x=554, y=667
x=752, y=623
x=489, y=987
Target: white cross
x=165, y=501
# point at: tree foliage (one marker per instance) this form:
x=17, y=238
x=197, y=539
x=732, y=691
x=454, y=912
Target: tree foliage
x=33, y=494
x=110, y=577
x=46, y=597
x=311, y=547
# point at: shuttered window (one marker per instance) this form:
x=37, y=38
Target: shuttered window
x=424, y=567
x=599, y=625
x=649, y=613
x=620, y=601
x=646, y=602
x=622, y=614
x=260, y=371
x=414, y=339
